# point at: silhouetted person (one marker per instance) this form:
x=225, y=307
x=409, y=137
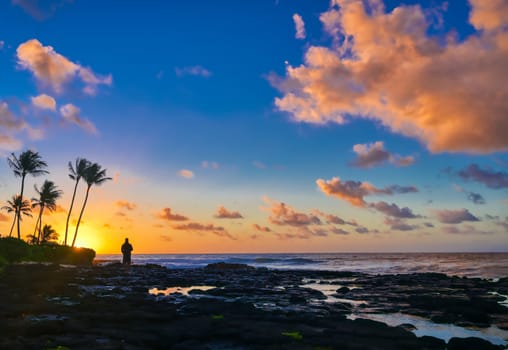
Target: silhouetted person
x=126, y=251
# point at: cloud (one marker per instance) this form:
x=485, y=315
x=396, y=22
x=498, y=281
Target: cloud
x=283, y=214
x=503, y=223
x=399, y=225
x=166, y=238
x=393, y=210
x=448, y=93
x=490, y=178
x=166, y=214
x=373, y=154
x=71, y=114
x=362, y=230
x=209, y=165
x=197, y=227
x=338, y=231
x=476, y=198
x=44, y=101
x=261, y=228
x=334, y=219
x=40, y=10
x=489, y=14
x=187, y=174
x=354, y=192
x=465, y=230
x=2, y=44
x=4, y=217
x=299, y=235
x=223, y=213
x=299, y=26
x=193, y=70
x=9, y=126
x=259, y=165
x=125, y=205
x=54, y=70
x=454, y=216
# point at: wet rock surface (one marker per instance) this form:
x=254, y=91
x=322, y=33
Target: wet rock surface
x=109, y=307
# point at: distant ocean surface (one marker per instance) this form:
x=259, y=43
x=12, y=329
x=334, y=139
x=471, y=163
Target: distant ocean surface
x=483, y=265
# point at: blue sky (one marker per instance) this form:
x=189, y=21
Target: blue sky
x=257, y=114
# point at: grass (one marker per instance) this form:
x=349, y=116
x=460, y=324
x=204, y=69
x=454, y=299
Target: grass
x=294, y=335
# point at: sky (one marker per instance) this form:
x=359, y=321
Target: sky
x=263, y=126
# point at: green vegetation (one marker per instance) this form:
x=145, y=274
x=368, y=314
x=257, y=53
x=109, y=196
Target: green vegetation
x=294, y=335
x=16, y=250
x=41, y=246
x=217, y=317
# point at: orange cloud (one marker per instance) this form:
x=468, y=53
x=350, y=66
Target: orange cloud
x=198, y=227
x=52, y=69
x=283, y=214
x=44, y=101
x=4, y=217
x=354, y=192
x=385, y=67
x=223, y=213
x=261, y=228
x=166, y=214
x=126, y=205
x=186, y=174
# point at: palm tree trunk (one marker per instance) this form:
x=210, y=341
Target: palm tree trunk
x=70, y=210
x=40, y=225
x=21, y=194
x=12, y=226
x=37, y=223
x=80, y=215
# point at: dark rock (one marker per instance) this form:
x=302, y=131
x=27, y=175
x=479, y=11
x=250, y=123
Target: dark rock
x=431, y=343
x=227, y=266
x=471, y=343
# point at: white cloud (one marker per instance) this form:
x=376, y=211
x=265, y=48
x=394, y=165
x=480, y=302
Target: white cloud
x=71, y=114
x=299, y=26
x=193, y=70
x=209, y=165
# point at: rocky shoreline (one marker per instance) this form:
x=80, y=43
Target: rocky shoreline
x=227, y=306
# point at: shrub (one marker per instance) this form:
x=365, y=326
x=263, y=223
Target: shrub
x=12, y=250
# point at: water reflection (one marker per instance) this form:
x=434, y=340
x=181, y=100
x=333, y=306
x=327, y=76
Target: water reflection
x=443, y=331
x=178, y=290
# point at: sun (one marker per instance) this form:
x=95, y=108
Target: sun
x=88, y=238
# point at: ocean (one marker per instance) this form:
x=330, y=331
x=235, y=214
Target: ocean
x=482, y=265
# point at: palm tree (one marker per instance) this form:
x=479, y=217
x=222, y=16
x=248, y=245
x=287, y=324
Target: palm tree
x=48, y=194
x=28, y=162
x=48, y=234
x=76, y=172
x=19, y=207
x=93, y=175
